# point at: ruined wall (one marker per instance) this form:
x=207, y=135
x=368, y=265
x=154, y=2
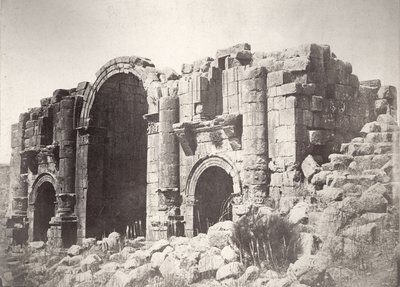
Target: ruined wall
x=43, y=145
x=128, y=152
x=4, y=200
x=315, y=104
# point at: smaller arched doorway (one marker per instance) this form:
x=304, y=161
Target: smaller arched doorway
x=212, y=184
x=44, y=210
x=212, y=199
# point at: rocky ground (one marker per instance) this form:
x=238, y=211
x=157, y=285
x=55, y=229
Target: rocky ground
x=346, y=222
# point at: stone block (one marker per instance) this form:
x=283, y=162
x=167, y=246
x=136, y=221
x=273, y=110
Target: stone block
x=279, y=103
x=254, y=146
x=230, y=50
x=343, y=92
x=232, y=89
x=354, y=82
x=329, y=194
x=45, y=102
x=291, y=178
x=317, y=120
x=319, y=137
x=291, y=102
x=16, y=135
x=289, y=89
x=379, y=137
x=252, y=85
x=242, y=56
x=29, y=132
x=255, y=97
x=381, y=106
x=254, y=132
x=276, y=179
x=254, y=118
x=316, y=103
x=58, y=95
x=309, y=167
x=357, y=148
x=297, y=64
x=307, y=118
x=370, y=127
x=386, y=119
x=287, y=117
x=286, y=149
x=285, y=133
x=272, y=92
x=278, y=78
x=376, y=84
x=309, y=89
x=387, y=92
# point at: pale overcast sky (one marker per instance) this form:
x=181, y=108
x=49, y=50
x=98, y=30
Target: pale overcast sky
x=51, y=44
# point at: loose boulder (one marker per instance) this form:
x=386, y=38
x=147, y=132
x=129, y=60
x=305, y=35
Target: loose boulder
x=220, y=234
x=309, y=167
x=229, y=254
x=230, y=270
x=74, y=250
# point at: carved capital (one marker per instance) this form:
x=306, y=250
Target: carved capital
x=65, y=203
x=168, y=198
x=152, y=128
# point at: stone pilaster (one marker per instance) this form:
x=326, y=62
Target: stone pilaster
x=63, y=230
x=254, y=138
x=89, y=189
x=169, y=164
x=17, y=231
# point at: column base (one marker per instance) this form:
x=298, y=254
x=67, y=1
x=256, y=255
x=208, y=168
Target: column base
x=17, y=230
x=63, y=231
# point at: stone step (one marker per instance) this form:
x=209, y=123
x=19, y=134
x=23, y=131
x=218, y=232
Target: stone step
x=355, y=149
x=379, y=137
x=338, y=161
x=337, y=181
x=374, y=161
x=375, y=127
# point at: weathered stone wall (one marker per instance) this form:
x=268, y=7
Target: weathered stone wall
x=256, y=116
x=4, y=200
x=43, y=145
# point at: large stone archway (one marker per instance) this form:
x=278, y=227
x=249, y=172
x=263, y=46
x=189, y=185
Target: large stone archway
x=207, y=172
x=112, y=151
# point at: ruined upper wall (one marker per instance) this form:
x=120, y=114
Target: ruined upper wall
x=314, y=100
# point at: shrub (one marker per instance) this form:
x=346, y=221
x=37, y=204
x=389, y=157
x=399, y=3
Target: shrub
x=266, y=239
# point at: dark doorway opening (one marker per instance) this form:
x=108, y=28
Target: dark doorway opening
x=212, y=199
x=44, y=211
x=116, y=200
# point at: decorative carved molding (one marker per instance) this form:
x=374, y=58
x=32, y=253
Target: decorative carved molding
x=229, y=125
x=49, y=154
x=91, y=135
x=46, y=177
x=20, y=205
x=168, y=198
x=153, y=128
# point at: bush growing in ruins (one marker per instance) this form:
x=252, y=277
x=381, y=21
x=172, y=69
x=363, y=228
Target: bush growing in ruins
x=266, y=239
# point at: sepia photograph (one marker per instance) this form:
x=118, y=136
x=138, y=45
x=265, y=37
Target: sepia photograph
x=199, y=143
